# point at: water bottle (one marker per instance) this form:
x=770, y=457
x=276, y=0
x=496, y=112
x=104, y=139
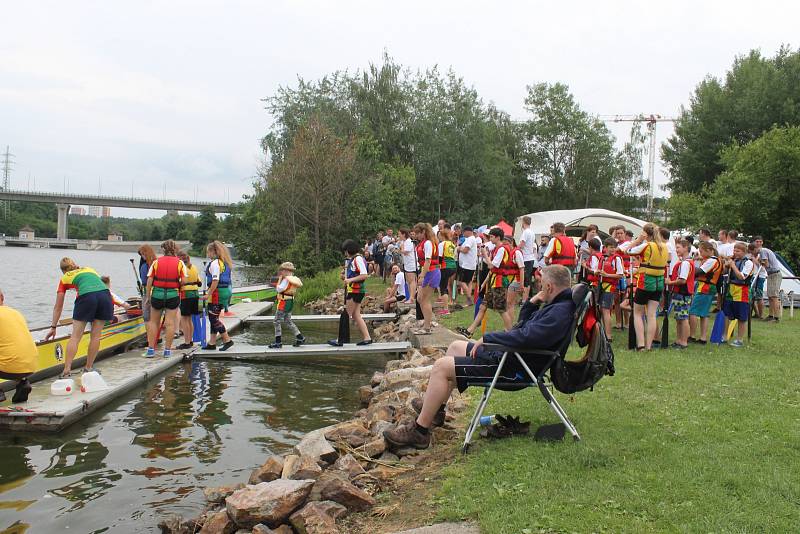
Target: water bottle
x=486, y=420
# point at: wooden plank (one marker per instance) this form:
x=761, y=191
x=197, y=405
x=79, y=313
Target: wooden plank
x=263, y=352
x=321, y=318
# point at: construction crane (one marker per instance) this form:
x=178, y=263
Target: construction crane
x=650, y=122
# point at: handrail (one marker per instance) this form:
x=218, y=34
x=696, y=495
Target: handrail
x=115, y=198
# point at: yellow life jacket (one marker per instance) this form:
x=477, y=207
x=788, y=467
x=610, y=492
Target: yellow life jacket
x=654, y=260
x=291, y=289
x=192, y=279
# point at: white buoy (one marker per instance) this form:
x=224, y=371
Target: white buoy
x=92, y=381
x=62, y=387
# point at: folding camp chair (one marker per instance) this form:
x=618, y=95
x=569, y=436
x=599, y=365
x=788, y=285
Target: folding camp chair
x=544, y=360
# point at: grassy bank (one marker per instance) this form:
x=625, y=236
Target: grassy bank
x=698, y=440
x=323, y=284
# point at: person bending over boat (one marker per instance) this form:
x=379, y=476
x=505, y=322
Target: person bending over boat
x=190, y=298
x=164, y=280
x=18, y=353
x=93, y=305
x=218, y=280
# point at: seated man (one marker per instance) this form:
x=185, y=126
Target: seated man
x=397, y=291
x=18, y=352
x=541, y=328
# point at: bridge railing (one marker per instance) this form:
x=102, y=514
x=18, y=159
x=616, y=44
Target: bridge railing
x=98, y=199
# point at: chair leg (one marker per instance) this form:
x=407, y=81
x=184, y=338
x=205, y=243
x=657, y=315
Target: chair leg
x=487, y=392
x=551, y=400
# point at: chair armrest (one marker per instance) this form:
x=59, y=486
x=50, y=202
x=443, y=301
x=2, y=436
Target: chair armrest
x=527, y=352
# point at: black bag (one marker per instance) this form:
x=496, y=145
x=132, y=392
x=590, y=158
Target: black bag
x=573, y=376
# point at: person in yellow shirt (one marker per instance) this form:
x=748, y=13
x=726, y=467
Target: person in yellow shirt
x=18, y=352
x=190, y=300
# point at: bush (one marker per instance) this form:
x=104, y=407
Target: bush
x=319, y=286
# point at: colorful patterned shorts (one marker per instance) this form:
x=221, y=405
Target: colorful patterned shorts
x=680, y=305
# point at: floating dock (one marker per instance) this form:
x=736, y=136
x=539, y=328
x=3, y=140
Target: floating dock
x=264, y=353
x=375, y=317
x=122, y=373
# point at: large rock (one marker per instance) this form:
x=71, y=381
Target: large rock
x=301, y=468
x=323, y=480
x=217, y=494
x=346, y=494
x=376, y=378
x=270, y=470
x=384, y=472
x=354, y=433
x=219, y=523
x=314, y=518
x=349, y=465
x=316, y=446
x=404, y=377
x=364, y=395
x=267, y=502
x=380, y=412
x=374, y=448
x=174, y=524
x=379, y=427
x=393, y=365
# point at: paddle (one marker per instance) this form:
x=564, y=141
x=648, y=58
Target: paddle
x=138, y=281
x=631, y=323
x=718, y=330
x=665, y=323
x=199, y=321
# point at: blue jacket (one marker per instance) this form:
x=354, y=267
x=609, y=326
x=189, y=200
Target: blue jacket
x=542, y=328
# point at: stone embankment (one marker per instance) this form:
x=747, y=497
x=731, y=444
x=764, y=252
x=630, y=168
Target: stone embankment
x=332, y=471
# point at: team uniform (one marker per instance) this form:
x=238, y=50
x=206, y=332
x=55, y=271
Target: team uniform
x=518, y=261
x=707, y=278
x=502, y=273
x=651, y=272
x=682, y=294
x=356, y=266
x=166, y=272
x=94, y=299
x=190, y=292
x=447, y=253
x=561, y=251
x=610, y=286
x=425, y=252
x=737, y=298
x=217, y=270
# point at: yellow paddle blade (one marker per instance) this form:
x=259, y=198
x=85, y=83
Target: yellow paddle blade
x=732, y=327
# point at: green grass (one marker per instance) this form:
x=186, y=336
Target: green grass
x=323, y=284
x=701, y=440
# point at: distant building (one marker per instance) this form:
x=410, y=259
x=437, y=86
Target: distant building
x=99, y=211
x=77, y=210
x=115, y=236
x=27, y=233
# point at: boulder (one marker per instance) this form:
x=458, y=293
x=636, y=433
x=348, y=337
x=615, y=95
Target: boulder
x=267, y=502
x=380, y=412
x=324, y=479
x=263, y=529
x=376, y=379
x=389, y=457
x=384, y=473
x=404, y=377
x=349, y=465
x=316, y=446
x=314, y=518
x=379, y=427
x=219, y=523
x=354, y=433
x=364, y=395
x=346, y=494
x=421, y=361
x=283, y=529
x=301, y=468
x=374, y=448
x=174, y=524
x=270, y=470
x=393, y=365
x=217, y=494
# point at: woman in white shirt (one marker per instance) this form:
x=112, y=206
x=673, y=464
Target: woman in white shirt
x=409, y=264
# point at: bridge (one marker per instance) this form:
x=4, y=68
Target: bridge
x=64, y=200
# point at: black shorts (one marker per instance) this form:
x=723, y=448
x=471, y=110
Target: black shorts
x=95, y=306
x=190, y=306
x=355, y=297
x=15, y=376
x=480, y=370
x=642, y=297
x=466, y=275
x=530, y=267
x=446, y=274
x=165, y=304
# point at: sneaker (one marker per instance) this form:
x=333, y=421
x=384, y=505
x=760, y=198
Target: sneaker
x=276, y=345
x=335, y=343
x=209, y=347
x=21, y=394
x=167, y=353
x=736, y=343
x=701, y=342
x=226, y=345
x=464, y=332
x=299, y=340
x=184, y=346
x=407, y=436
x=364, y=343
x=150, y=353
x=438, y=419
x=656, y=345
x=677, y=346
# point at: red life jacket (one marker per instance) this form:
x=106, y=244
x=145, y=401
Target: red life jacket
x=626, y=258
x=567, y=254
x=687, y=288
x=166, y=273
x=507, y=266
x=434, y=255
x=590, y=276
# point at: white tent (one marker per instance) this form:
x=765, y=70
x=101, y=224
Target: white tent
x=578, y=220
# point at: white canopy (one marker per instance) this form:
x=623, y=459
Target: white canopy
x=604, y=219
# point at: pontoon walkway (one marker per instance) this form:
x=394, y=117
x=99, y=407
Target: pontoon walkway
x=377, y=317
x=263, y=352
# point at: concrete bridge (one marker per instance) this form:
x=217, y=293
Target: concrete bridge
x=83, y=244
x=64, y=200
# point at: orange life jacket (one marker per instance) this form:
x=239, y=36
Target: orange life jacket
x=507, y=266
x=688, y=288
x=166, y=273
x=434, y=255
x=711, y=277
x=567, y=254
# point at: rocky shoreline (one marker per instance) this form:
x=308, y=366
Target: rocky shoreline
x=333, y=471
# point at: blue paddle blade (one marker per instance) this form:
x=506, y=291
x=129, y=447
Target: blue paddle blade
x=718, y=330
x=198, y=334
x=477, y=306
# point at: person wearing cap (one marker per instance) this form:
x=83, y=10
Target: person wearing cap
x=287, y=286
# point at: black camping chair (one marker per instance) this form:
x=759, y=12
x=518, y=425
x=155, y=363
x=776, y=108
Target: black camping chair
x=542, y=360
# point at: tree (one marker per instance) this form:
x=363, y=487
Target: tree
x=206, y=229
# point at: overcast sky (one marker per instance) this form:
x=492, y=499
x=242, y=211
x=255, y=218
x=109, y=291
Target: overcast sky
x=169, y=93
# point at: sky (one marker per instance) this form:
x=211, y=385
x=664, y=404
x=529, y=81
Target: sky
x=164, y=99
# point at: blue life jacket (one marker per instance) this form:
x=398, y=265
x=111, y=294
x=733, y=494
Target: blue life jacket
x=224, y=275
x=352, y=272
x=143, y=269
x=733, y=279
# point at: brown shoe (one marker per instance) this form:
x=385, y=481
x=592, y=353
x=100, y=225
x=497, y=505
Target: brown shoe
x=407, y=436
x=438, y=419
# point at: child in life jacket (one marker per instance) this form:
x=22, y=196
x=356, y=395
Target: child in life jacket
x=605, y=269
x=681, y=284
x=287, y=286
x=736, y=305
x=707, y=276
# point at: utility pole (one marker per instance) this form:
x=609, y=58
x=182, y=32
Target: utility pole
x=8, y=163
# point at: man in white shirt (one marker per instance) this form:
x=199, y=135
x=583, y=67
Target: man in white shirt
x=397, y=292
x=467, y=262
x=409, y=263
x=769, y=261
x=527, y=244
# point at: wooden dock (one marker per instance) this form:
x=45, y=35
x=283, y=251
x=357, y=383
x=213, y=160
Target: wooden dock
x=263, y=352
x=122, y=373
x=375, y=317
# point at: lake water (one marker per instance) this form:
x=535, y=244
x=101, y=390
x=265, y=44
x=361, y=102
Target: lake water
x=152, y=452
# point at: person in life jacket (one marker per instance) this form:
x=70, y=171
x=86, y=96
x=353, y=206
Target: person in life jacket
x=561, y=249
x=286, y=288
x=164, y=280
x=707, y=276
x=218, y=281
x=146, y=258
x=447, y=258
x=190, y=300
x=623, y=285
x=737, y=299
x=430, y=276
x=681, y=284
x=516, y=268
x=354, y=276
x=654, y=255
x=605, y=269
